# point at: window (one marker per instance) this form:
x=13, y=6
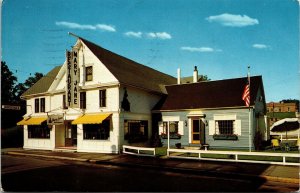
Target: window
x=64, y=104
x=225, y=127
x=102, y=98
x=40, y=131
x=97, y=131
x=174, y=130
x=135, y=130
x=83, y=100
x=89, y=73
x=42, y=101
x=37, y=105
x=173, y=125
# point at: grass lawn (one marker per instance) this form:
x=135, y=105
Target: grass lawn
x=160, y=151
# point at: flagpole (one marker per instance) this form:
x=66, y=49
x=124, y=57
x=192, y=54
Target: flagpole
x=249, y=110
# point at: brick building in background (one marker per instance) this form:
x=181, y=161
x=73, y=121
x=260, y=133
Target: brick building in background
x=280, y=110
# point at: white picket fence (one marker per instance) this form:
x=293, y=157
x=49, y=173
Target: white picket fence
x=233, y=156
x=140, y=151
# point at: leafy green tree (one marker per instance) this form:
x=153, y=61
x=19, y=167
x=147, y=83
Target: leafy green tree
x=203, y=78
x=10, y=94
x=8, y=81
x=29, y=82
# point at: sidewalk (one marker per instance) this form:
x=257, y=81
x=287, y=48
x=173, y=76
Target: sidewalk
x=288, y=174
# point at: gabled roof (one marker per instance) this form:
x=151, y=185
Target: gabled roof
x=210, y=94
x=129, y=72
x=43, y=84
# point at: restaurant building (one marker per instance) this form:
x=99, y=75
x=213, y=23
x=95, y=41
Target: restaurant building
x=98, y=101
x=95, y=102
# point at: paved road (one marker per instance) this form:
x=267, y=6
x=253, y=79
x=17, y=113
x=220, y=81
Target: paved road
x=31, y=174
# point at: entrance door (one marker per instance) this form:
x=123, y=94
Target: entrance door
x=198, y=131
x=71, y=135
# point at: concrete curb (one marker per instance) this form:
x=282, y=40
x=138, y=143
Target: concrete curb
x=185, y=170
x=280, y=179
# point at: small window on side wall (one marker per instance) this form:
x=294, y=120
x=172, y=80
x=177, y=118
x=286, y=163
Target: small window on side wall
x=42, y=101
x=83, y=100
x=36, y=105
x=102, y=98
x=89, y=73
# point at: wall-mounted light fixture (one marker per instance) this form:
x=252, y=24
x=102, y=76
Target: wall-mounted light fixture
x=185, y=123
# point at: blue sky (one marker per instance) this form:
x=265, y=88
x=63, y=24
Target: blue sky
x=221, y=37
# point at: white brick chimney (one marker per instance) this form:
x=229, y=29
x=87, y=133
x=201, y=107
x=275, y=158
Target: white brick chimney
x=195, y=75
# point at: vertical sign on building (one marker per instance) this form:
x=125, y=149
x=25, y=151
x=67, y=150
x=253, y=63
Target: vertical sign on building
x=72, y=79
x=69, y=79
x=75, y=72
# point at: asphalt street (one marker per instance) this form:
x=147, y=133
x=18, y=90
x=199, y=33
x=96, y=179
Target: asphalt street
x=35, y=174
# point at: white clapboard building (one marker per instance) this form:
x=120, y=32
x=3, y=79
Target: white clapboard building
x=95, y=102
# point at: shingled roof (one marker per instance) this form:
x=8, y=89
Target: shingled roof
x=42, y=85
x=210, y=94
x=129, y=72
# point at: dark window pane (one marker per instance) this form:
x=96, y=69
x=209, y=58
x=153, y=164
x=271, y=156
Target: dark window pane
x=196, y=125
x=37, y=105
x=43, y=105
x=83, y=100
x=97, y=131
x=102, y=98
x=196, y=137
x=89, y=73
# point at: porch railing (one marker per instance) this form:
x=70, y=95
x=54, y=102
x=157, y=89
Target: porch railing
x=233, y=156
x=140, y=151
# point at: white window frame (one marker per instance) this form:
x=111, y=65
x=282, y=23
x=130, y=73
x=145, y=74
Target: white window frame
x=168, y=120
x=213, y=124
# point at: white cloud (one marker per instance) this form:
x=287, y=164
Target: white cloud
x=159, y=35
x=72, y=25
x=231, y=20
x=260, y=46
x=200, y=49
x=133, y=34
x=105, y=27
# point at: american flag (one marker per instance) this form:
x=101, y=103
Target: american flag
x=246, y=94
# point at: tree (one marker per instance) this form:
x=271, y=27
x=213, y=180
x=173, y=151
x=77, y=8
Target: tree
x=29, y=82
x=203, y=78
x=8, y=81
x=10, y=94
x=33, y=79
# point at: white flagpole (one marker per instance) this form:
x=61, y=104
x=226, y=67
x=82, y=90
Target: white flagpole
x=249, y=110
x=168, y=135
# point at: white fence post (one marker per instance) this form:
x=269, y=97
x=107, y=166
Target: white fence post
x=138, y=150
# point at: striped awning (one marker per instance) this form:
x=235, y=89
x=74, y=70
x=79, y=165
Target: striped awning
x=91, y=119
x=32, y=121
